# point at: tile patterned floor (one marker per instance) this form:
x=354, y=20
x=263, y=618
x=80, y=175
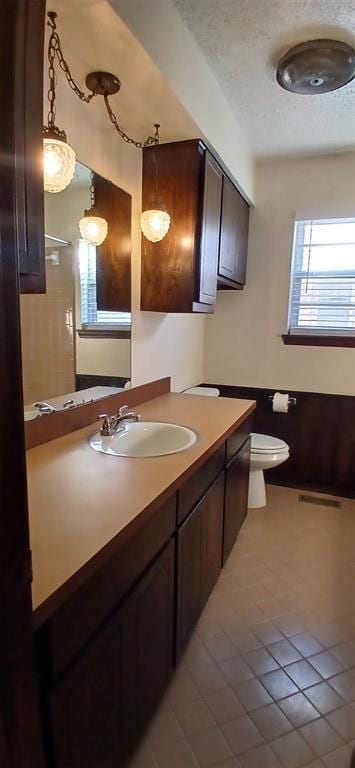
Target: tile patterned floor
x=268, y=679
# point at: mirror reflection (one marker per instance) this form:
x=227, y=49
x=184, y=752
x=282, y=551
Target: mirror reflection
x=76, y=335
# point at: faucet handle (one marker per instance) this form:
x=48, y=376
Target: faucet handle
x=124, y=409
x=106, y=424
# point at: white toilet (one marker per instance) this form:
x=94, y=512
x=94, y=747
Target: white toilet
x=266, y=452
x=207, y=391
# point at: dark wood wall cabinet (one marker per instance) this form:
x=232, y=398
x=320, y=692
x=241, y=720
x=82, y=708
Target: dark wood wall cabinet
x=206, y=245
x=106, y=656
x=29, y=148
x=113, y=256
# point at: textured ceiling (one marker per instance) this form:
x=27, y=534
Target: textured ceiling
x=243, y=39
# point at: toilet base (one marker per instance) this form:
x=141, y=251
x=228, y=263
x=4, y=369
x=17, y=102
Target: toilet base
x=257, y=492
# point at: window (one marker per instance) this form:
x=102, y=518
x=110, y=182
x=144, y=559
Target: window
x=90, y=315
x=322, y=290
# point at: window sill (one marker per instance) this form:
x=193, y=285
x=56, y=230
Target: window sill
x=103, y=333
x=307, y=340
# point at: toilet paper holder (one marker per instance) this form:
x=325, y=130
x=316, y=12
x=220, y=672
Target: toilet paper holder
x=291, y=400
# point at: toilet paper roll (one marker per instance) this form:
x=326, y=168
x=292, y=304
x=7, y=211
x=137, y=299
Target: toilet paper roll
x=280, y=403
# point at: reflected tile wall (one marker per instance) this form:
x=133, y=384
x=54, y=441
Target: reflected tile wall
x=47, y=322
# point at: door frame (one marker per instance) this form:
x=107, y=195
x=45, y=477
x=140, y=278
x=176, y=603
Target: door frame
x=19, y=713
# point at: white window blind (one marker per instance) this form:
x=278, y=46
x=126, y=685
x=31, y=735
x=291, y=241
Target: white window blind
x=90, y=315
x=322, y=290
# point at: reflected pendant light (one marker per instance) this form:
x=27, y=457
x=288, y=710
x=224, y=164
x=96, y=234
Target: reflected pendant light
x=155, y=221
x=93, y=228
x=58, y=155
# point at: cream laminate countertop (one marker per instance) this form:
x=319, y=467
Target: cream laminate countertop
x=82, y=503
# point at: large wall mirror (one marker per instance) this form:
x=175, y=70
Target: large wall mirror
x=76, y=336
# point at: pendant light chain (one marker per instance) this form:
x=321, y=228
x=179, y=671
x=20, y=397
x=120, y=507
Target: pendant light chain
x=139, y=144
x=55, y=50
x=92, y=191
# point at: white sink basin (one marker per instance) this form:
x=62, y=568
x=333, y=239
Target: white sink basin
x=144, y=439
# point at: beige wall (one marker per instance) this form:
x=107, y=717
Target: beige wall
x=162, y=345
x=243, y=339
x=162, y=33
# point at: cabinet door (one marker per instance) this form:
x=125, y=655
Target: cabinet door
x=234, y=235
x=29, y=171
x=236, y=497
x=152, y=639
x=100, y=708
x=211, y=219
x=113, y=256
x=199, y=560
x=88, y=707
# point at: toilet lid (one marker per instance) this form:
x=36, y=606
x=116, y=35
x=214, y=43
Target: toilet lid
x=266, y=443
x=208, y=391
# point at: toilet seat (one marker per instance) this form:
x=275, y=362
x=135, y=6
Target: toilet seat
x=265, y=444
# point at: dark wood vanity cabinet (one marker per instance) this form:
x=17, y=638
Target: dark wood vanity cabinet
x=236, y=497
x=99, y=709
x=206, y=245
x=199, y=547
x=106, y=655
x=29, y=147
x=234, y=238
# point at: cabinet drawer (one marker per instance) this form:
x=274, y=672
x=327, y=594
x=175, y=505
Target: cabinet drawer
x=197, y=485
x=236, y=440
x=67, y=632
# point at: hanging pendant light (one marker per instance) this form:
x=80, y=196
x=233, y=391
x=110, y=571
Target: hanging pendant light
x=93, y=228
x=155, y=221
x=58, y=160
x=58, y=155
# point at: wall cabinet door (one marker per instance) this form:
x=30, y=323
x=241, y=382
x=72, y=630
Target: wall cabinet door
x=211, y=219
x=199, y=560
x=236, y=497
x=29, y=148
x=101, y=707
x=234, y=235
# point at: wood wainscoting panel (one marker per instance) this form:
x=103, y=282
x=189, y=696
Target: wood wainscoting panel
x=320, y=431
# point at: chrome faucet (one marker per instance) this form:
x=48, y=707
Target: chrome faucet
x=45, y=407
x=111, y=424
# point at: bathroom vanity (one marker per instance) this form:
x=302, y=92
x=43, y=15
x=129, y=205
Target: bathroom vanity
x=125, y=554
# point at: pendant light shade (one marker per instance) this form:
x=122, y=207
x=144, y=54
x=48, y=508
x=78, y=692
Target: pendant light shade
x=93, y=229
x=155, y=224
x=58, y=162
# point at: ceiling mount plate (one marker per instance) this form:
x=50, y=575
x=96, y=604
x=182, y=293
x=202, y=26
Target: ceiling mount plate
x=102, y=83
x=317, y=66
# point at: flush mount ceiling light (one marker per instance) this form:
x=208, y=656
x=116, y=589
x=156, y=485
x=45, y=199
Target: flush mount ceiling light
x=317, y=66
x=59, y=157
x=93, y=228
